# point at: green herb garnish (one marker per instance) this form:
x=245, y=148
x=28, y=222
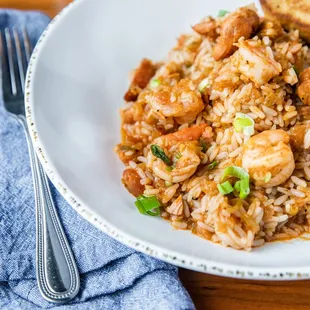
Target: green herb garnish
x=222, y=13
x=225, y=188
x=177, y=155
x=167, y=183
x=296, y=70
x=155, y=83
x=203, y=146
x=212, y=165
x=267, y=177
x=148, y=205
x=242, y=186
x=235, y=171
x=244, y=123
x=158, y=152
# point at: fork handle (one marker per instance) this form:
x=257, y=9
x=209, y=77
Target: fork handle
x=57, y=273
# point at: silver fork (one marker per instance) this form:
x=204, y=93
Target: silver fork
x=57, y=274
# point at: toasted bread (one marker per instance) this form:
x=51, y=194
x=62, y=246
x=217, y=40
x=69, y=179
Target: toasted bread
x=292, y=14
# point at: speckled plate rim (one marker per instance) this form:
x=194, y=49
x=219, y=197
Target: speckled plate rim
x=181, y=260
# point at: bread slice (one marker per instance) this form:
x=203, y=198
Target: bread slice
x=292, y=14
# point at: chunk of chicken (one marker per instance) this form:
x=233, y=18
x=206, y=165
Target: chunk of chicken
x=257, y=62
x=176, y=208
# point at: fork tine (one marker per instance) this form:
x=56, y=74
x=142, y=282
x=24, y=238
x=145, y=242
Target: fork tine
x=26, y=44
x=2, y=61
x=1, y=48
x=19, y=59
x=10, y=60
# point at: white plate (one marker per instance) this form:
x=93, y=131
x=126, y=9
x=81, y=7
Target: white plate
x=76, y=80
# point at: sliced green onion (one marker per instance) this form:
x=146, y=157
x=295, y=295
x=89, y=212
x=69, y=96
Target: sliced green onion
x=153, y=213
x=203, y=84
x=212, y=165
x=244, y=123
x=155, y=83
x=225, y=188
x=139, y=206
x=175, y=159
x=158, y=152
x=169, y=168
x=296, y=70
x=242, y=186
x=178, y=155
x=267, y=177
x=203, y=146
x=222, y=13
x=237, y=186
x=235, y=171
x=167, y=183
x=148, y=205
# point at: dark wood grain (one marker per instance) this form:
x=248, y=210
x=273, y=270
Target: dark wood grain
x=217, y=293
x=212, y=292
x=49, y=7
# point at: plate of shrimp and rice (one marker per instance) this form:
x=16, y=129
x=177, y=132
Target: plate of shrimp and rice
x=215, y=135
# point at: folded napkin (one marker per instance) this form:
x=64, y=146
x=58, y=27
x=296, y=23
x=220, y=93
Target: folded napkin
x=112, y=275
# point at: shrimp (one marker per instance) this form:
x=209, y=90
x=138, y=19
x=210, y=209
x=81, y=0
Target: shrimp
x=300, y=136
x=183, y=147
x=241, y=23
x=268, y=158
x=182, y=101
x=256, y=62
x=303, y=87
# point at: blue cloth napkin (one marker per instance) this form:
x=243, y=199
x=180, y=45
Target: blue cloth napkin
x=112, y=275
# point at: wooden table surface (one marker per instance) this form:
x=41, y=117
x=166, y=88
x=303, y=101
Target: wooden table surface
x=212, y=292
